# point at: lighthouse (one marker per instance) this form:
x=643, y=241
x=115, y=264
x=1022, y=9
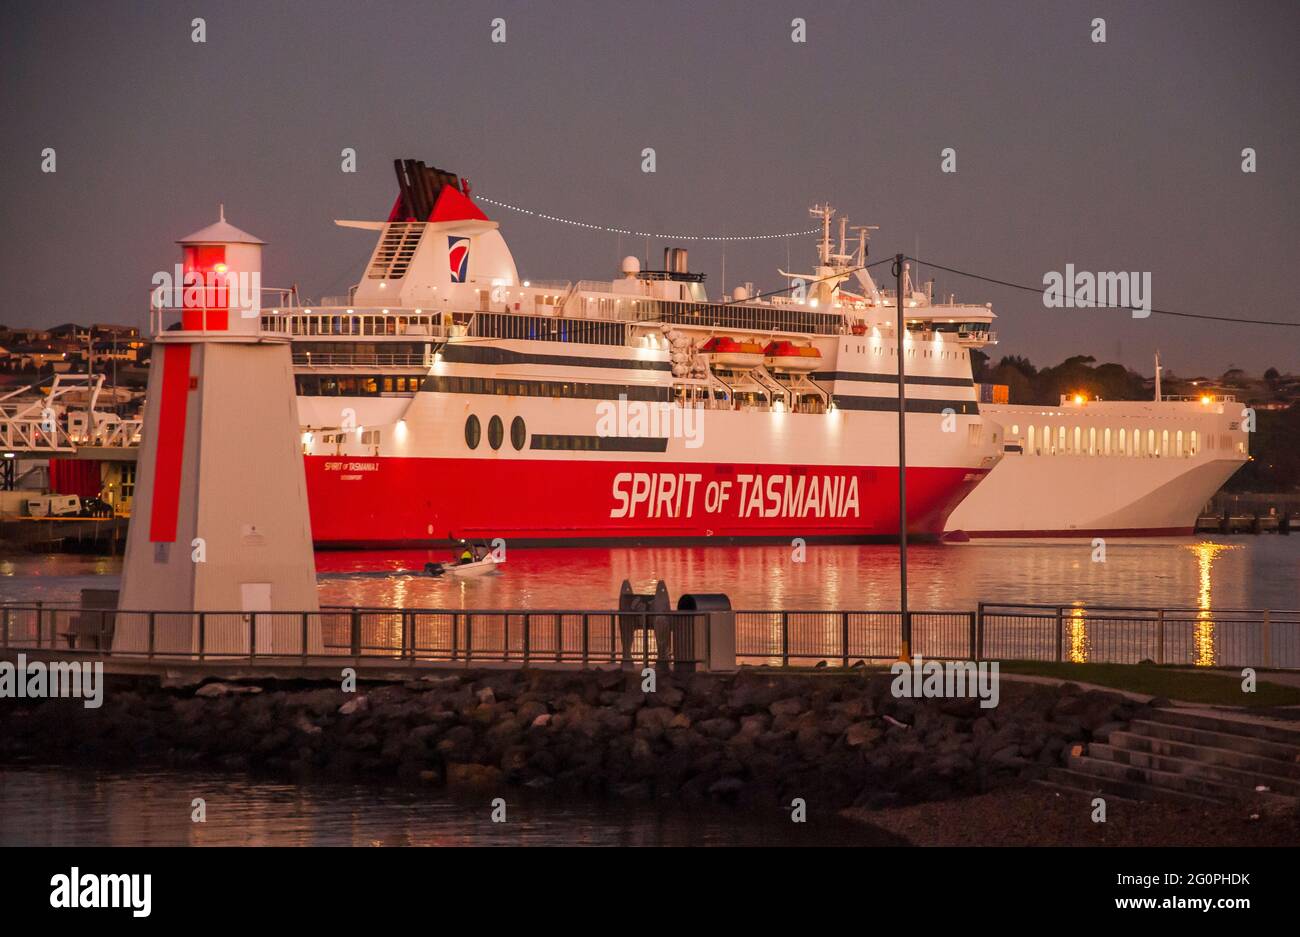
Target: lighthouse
x=220, y=525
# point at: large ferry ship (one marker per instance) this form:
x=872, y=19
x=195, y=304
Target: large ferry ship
x=445, y=397
x=1106, y=468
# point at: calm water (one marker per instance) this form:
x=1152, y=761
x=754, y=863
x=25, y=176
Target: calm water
x=61, y=807
x=55, y=806
x=1219, y=572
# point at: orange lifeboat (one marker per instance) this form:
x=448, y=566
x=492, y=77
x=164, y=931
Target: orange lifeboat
x=787, y=356
x=726, y=352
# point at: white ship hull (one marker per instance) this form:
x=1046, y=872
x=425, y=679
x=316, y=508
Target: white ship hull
x=1155, y=485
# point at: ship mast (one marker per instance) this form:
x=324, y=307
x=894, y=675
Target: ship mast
x=824, y=212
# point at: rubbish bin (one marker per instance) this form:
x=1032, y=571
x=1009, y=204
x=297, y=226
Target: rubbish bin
x=712, y=631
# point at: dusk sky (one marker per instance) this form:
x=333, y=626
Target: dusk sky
x=1116, y=156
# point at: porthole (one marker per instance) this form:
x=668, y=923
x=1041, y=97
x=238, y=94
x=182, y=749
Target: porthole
x=473, y=432
x=518, y=433
x=496, y=432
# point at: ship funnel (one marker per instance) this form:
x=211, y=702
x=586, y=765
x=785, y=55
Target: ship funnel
x=675, y=260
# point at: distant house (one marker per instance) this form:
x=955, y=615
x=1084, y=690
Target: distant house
x=120, y=332
x=24, y=336
x=31, y=357
x=70, y=331
x=115, y=351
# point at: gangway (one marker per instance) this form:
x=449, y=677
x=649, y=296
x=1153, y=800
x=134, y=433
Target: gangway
x=35, y=420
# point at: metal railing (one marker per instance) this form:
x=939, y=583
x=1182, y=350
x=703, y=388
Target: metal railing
x=994, y=631
x=361, y=322
x=312, y=359
x=1058, y=633
x=843, y=638
x=580, y=637
x=1222, y=637
x=211, y=320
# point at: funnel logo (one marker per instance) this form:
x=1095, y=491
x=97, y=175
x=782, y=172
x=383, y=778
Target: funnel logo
x=458, y=258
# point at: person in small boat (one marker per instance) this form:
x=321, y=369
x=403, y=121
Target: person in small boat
x=466, y=555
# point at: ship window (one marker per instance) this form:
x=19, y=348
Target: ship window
x=1164, y=442
x=1029, y=440
x=1178, y=444
x=1078, y=439
x=1060, y=439
x=473, y=432
x=1192, y=451
x=518, y=433
x=1151, y=442
x=1123, y=443
x=1105, y=445
x=496, y=432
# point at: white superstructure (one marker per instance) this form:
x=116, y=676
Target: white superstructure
x=1097, y=467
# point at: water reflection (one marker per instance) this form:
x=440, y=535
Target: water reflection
x=65, y=807
x=1077, y=636
x=1204, y=631
x=1240, y=572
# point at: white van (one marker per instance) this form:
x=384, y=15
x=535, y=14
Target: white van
x=53, y=506
x=65, y=505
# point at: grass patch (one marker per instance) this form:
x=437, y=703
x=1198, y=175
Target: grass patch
x=1176, y=683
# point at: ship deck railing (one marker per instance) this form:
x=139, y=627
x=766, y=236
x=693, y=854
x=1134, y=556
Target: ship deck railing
x=416, y=323
x=1177, y=636
x=1198, y=398
x=311, y=359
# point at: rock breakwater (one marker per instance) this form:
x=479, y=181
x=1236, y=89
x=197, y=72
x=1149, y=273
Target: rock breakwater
x=753, y=738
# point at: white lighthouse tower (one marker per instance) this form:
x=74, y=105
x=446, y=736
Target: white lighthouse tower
x=221, y=524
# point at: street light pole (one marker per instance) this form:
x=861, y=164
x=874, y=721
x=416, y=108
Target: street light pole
x=900, y=329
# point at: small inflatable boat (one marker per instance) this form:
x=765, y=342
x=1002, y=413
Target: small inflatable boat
x=479, y=567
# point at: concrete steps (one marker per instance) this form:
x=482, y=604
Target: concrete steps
x=1092, y=785
x=1227, y=757
x=1191, y=756
x=1204, y=738
x=1269, y=730
x=1208, y=771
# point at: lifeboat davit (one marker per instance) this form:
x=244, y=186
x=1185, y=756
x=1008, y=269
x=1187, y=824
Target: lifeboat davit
x=787, y=356
x=727, y=352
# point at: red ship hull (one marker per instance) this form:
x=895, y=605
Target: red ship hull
x=360, y=501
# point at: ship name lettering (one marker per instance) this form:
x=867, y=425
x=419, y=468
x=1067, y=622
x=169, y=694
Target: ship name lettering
x=663, y=494
x=672, y=494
